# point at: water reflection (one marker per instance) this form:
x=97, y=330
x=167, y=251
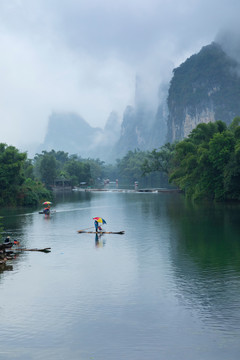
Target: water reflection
x=168, y=288
x=205, y=253
x=71, y=197
x=7, y=260
x=5, y=267
x=201, y=241
x=99, y=240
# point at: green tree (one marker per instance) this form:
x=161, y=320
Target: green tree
x=11, y=173
x=48, y=169
x=78, y=171
x=206, y=164
x=33, y=193
x=132, y=167
x=235, y=124
x=28, y=169
x=97, y=170
x=159, y=160
x=221, y=147
x=1, y=228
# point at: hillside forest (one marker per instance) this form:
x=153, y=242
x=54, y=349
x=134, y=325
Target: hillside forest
x=205, y=165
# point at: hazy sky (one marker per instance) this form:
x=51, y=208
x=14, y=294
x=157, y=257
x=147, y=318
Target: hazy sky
x=83, y=55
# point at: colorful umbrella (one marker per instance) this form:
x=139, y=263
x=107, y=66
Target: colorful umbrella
x=100, y=220
x=47, y=203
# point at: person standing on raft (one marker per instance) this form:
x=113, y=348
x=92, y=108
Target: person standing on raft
x=97, y=227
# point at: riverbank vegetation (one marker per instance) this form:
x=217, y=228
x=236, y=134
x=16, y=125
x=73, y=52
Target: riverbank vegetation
x=52, y=165
x=17, y=184
x=28, y=182
x=205, y=165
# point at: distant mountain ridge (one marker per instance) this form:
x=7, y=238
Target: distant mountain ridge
x=204, y=88
x=69, y=132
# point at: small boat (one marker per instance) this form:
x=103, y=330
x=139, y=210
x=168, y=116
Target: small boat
x=101, y=232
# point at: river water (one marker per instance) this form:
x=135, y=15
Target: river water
x=169, y=288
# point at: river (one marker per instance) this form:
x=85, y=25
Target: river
x=169, y=288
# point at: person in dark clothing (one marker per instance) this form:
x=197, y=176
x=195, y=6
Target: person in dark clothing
x=46, y=211
x=97, y=226
x=7, y=242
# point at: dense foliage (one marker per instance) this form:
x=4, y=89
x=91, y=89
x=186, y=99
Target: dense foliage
x=53, y=165
x=159, y=160
x=131, y=168
x=204, y=165
x=28, y=182
x=16, y=185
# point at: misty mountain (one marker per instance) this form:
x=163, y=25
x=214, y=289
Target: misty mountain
x=144, y=126
x=206, y=87
x=141, y=129
x=69, y=132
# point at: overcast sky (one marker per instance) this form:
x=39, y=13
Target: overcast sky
x=83, y=56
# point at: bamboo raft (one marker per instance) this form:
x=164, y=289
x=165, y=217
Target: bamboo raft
x=101, y=232
x=46, y=250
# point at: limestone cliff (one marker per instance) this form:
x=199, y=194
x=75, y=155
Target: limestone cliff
x=206, y=87
x=144, y=125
